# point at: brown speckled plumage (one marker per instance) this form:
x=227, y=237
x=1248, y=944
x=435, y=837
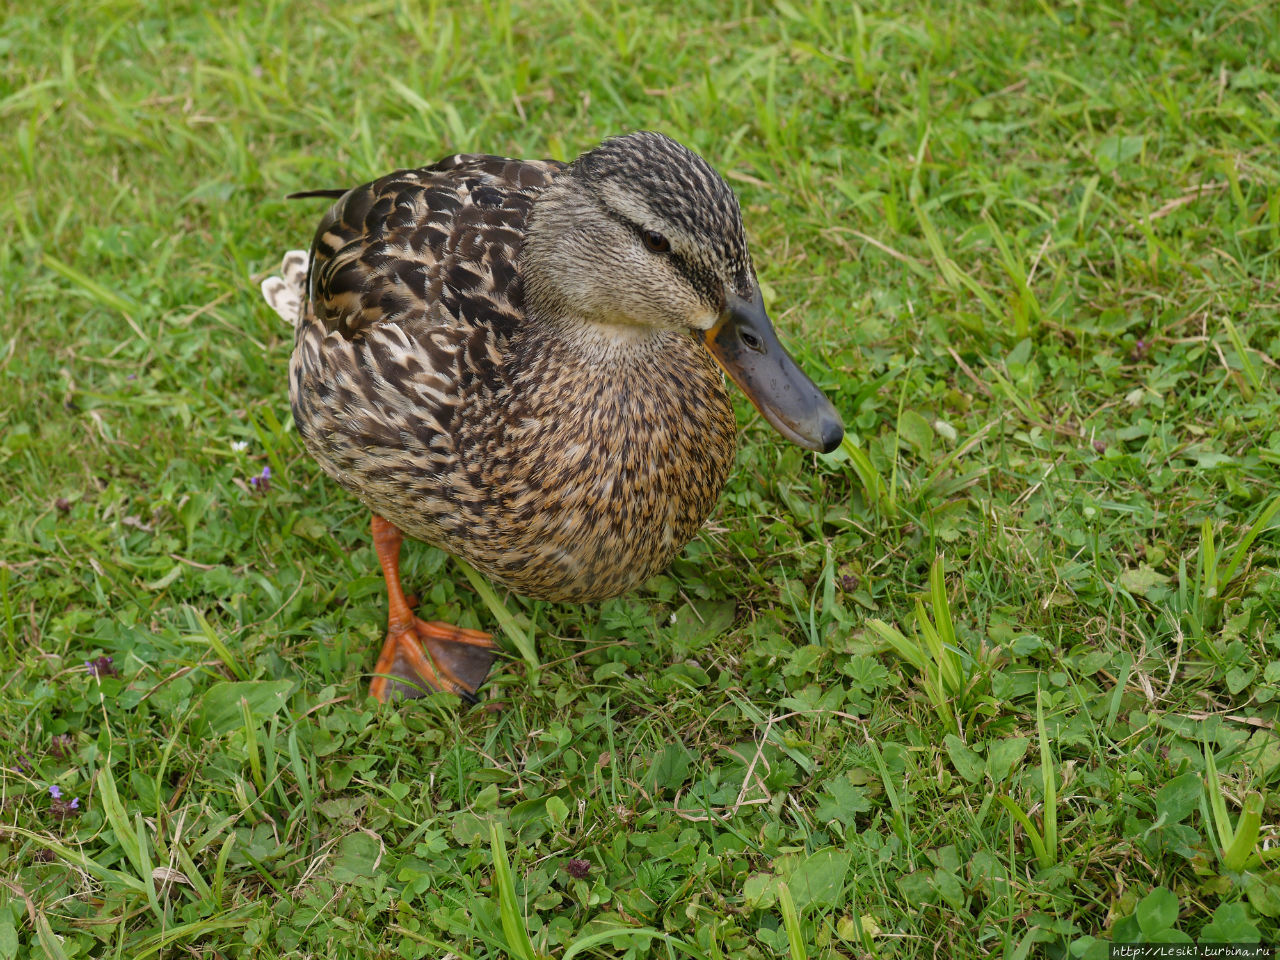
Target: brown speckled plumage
x=449, y=370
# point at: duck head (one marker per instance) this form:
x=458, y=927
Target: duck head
x=641, y=237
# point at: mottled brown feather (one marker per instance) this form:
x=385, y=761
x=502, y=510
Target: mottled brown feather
x=422, y=384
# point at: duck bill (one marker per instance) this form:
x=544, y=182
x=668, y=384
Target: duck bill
x=745, y=345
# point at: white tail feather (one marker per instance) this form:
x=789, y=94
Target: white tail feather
x=284, y=293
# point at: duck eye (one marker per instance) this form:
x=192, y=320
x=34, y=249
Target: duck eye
x=656, y=241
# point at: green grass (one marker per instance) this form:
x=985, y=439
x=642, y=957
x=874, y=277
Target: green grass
x=1032, y=250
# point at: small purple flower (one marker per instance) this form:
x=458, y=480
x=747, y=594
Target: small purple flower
x=62, y=809
x=262, y=482
x=101, y=667
x=55, y=791
x=578, y=869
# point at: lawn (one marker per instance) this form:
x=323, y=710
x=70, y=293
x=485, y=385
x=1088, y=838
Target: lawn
x=999, y=678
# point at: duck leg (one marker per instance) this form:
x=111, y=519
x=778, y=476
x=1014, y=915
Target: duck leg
x=421, y=656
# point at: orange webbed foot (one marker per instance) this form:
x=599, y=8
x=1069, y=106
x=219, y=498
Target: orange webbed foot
x=426, y=656
x=419, y=655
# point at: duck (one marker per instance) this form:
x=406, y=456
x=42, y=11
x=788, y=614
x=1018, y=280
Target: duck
x=522, y=362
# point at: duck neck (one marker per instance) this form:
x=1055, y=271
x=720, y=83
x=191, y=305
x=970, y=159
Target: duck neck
x=606, y=373
x=611, y=346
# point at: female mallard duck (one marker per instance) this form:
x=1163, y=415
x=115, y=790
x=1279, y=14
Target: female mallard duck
x=516, y=361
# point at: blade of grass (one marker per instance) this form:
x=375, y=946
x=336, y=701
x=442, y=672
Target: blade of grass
x=192, y=872
x=1246, y=362
x=1209, y=569
x=899, y=643
x=873, y=485
x=1228, y=571
x=902, y=820
x=520, y=636
x=948, y=658
x=770, y=733
x=301, y=774
x=210, y=636
x=648, y=933
x=1213, y=789
x=1050, y=783
x=188, y=931
x=791, y=922
x=78, y=859
x=518, y=942
x=49, y=941
x=220, y=869
x=1033, y=835
x=132, y=842
x=251, y=745
x=1237, y=856
x=90, y=286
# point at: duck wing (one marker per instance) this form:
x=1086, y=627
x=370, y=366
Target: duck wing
x=412, y=292
x=438, y=245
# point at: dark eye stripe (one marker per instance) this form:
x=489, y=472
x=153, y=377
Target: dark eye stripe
x=702, y=280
